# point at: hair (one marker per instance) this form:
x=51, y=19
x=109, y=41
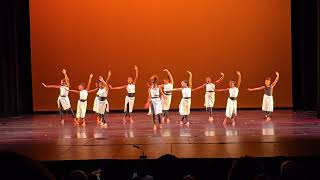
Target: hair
x=154, y=79
x=83, y=84
x=187, y=82
x=268, y=78
x=232, y=80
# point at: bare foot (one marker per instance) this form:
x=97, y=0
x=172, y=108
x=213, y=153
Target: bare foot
x=233, y=122
x=62, y=121
x=168, y=120
x=268, y=119
x=225, y=121
x=75, y=122
x=83, y=124
x=181, y=123
x=154, y=127
x=124, y=121
x=160, y=126
x=187, y=124
x=162, y=120
x=131, y=120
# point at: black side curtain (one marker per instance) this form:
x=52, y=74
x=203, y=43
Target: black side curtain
x=305, y=54
x=15, y=58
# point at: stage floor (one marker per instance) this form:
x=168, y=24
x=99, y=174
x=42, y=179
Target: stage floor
x=43, y=137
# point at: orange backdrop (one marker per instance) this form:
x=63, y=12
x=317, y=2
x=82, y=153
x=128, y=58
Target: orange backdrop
x=204, y=36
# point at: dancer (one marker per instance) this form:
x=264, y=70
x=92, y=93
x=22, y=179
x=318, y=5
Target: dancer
x=185, y=103
x=82, y=102
x=231, y=109
x=102, y=106
x=95, y=102
x=154, y=101
x=129, y=99
x=267, y=102
x=167, y=94
x=63, y=99
x=209, y=97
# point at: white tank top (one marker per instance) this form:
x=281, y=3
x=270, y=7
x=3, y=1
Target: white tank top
x=210, y=87
x=155, y=92
x=186, y=92
x=131, y=88
x=83, y=94
x=64, y=91
x=167, y=87
x=233, y=92
x=102, y=92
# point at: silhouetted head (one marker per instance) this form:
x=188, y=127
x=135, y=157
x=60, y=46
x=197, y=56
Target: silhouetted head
x=130, y=80
x=77, y=175
x=81, y=86
x=184, y=84
x=63, y=82
x=208, y=80
x=232, y=83
x=290, y=170
x=267, y=82
x=245, y=168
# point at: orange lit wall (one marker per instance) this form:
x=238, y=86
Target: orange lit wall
x=204, y=36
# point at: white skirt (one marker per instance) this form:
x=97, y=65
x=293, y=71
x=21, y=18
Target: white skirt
x=231, y=108
x=129, y=100
x=64, y=102
x=267, y=103
x=102, y=107
x=166, y=102
x=95, y=102
x=81, y=109
x=157, y=106
x=209, y=99
x=184, y=107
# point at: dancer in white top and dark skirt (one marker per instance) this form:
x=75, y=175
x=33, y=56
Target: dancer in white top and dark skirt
x=63, y=99
x=209, y=97
x=129, y=99
x=82, y=102
x=185, y=103
x=102, y=106
x=267, y=102
x=154, y=101
x=231, y=109
x=167, y=87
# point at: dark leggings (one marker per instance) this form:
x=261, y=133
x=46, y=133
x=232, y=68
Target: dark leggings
x=268, y=113
x=165, y=113
x=103, y=117
x=184, y=117
x=210, y=109
x=61, y=111
x=126, y=112
x=154, y=115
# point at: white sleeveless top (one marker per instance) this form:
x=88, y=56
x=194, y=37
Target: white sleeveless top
x=210, y=87
x=131, y=88
x=233, y=92
x=64, y=91
x=167, y=87
x=155, y=92
x=186, y=92
x=102, y=92
x=83, y=94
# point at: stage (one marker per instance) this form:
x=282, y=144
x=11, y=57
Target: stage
x=42, y=137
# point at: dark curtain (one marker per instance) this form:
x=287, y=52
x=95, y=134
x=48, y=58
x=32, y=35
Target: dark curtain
x=15, y=58
x=305, y=50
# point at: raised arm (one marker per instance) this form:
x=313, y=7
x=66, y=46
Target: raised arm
x=108, y=78
x=169, y=74
x=50, y=86
x=89, y=82
x=276, y=80
x=190, y=79
x=66, y=78
x=239, y=79
x=256, y=89
x=137, y=73
x=197, y=88
x=220, y=79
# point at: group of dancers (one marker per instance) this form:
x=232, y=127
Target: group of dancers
x=159, y=98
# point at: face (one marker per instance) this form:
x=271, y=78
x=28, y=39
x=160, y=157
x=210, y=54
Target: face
x=267, y=82
x=130, y=80
x=183, y=84
x=208, y=79
x=63, y=82
x=101, y=85
x=232, y=84
x=165, y=81
x=81, y=87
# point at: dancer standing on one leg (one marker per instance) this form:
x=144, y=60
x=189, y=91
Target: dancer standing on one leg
x=154, y=101
x=82, y=102
x=209, y=97
x=167, y=95
x=129, y=100
x=231, y=109
x=267, y=103
x=102, y=104
x=63, y=99
x=185, y=103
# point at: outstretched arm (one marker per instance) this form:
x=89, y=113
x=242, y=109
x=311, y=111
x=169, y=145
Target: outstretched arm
x=89, y=82
x=169, y=74
x=51, y=86
x=93, y=90
x=190, y=79
x=276, y=80
x=239, y=79
x=66, y=78
x=75, y=91
x=256, y=89
x=200, y=87
x=221, y=90
x=118, y=87
x=176, y=89
x=137, y=73
x=220, y=79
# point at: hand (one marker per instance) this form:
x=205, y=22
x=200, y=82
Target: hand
x=249, y=89
x=100, y=78
x=109, y=73
x=64, y=71
x=165, y=70
x=91, y=75
x=277, y=73
x=221, y=74
x=44, y=85
x=135, y=67
x=110, y=86
x=238, y=73
x=189, y=72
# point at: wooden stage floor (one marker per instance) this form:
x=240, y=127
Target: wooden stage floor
x=42, y=137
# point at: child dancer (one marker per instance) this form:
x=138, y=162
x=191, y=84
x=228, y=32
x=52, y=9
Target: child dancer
x=63, y=99
x=167, y=94
x=185, y=103
x=209, y=97
x=267, y=103
x=129, y=99
x=231, y=109
x=95, y=102
x=102, y=106
x=154, y=101
x=82, y=102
